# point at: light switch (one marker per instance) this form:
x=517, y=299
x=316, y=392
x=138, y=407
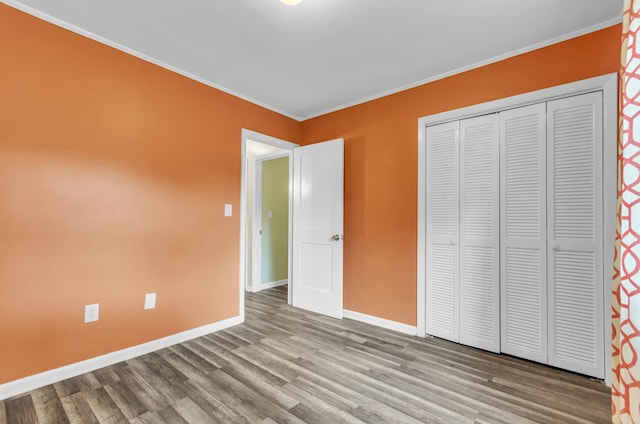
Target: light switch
x=228, y=210
x=150, y=301
x=270, y=213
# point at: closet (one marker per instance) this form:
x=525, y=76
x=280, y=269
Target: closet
x=514, y=232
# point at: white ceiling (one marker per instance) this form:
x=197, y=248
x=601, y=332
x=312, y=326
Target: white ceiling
x=323, y=55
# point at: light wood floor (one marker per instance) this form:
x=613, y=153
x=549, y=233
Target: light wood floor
x=285, y=365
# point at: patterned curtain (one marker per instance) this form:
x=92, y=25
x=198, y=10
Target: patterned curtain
x=626, y=284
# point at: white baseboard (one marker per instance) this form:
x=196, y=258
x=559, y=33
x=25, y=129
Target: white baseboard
x=270, y=285
x=23, y=385
x=381, y=322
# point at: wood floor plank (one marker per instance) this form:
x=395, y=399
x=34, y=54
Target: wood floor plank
x=220, y=393
x=407, y=402
x=376, y=405
x=186, y=368
x=448, y=409
x=191, y=412
x=483, y=396
x=330, y=397
x=199, y=362
x=311, y=408
x=48, y=406
x=146, y=394
x=20, y=410
x=171, y=416
x=78, y=410
x=126, y=400
x=87, y=382
x=106, y=376
x=261, y=385
x=66, y=387
x=209, y=350
x=3, y=413
x=246, y=334
x=250, y=403
x=213, y=406
x=289, y=365
x=151, y=372
x=148, y=418
x=266, y=360
x=567, y=402
x=104, y=408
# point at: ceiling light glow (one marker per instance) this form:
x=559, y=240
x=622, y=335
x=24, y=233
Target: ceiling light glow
x=291, y=2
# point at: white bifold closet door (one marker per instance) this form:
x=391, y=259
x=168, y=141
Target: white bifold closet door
x=463, y=232
x=480, y=233
x=574, y=234
x=443, y=257
x=523, y=210
x=551, y=228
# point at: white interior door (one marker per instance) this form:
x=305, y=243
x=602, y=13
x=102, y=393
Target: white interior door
x=480, y=233
x=443, y=253
x=523, y=247
x=574, y=134
x=318, y=203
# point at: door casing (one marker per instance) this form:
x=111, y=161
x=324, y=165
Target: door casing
x=272, y=141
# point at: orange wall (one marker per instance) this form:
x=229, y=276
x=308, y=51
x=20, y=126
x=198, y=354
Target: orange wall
x=113, y=174
x=381, y=161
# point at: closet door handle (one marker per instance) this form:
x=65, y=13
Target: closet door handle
x=555, y=245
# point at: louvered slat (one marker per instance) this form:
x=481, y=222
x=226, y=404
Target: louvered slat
x=442, y=289
x=575, y=237
x=522, y=327
x=479, y=234
x=523, y=239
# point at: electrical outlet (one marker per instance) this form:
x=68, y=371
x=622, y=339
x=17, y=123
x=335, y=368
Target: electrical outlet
x=150, y=301
x=91, y=312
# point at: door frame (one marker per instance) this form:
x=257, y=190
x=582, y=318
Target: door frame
x=246, y=135
x=256, y=242
x=608, y=84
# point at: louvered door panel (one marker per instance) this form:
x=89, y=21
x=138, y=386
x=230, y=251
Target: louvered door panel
x=442, y=289
x=575, y=274
x=523, y=232
x=479, y=233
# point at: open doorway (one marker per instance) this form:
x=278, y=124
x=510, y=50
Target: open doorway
x=269, y=214
x=261, y=262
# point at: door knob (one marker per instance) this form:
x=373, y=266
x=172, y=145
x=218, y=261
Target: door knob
x=336, y=237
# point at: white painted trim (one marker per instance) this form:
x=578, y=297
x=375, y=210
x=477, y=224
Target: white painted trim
x=380, y=322
x=532, y=47
x=422, y=231
x=609, y=201
x=266, y=286
x=609, y=86
x=273, y=141
x=66, y=25
x=545, y=94
x=290, y=242
x=23, y=385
